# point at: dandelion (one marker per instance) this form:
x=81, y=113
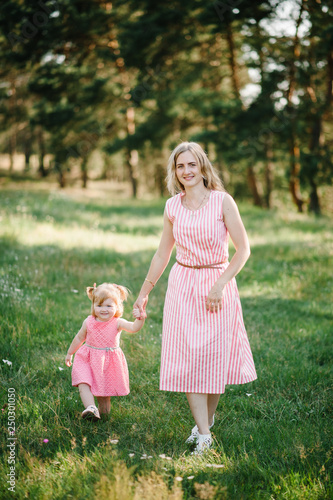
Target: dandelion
x=7, y=362
x=45, y=440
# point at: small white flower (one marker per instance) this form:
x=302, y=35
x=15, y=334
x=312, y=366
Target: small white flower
x=7, y=362
x=218, y=466
x=114, y=441
x=131, y=455
x=190, y=477
x=162, y=456
x=61, y=369
x=178, y=478
x=248, y=394
x=75, y=291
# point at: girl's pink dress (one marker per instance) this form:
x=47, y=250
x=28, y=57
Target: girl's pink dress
x=105, y=370
x=202, y=352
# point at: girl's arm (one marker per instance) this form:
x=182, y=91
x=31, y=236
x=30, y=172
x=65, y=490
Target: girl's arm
x=157, y=266
x=130, y=326
x=235, y=226
x=78, y=340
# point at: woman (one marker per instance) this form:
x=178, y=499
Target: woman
x=204, y=342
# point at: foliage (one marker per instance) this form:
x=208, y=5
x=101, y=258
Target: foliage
x=133, y=79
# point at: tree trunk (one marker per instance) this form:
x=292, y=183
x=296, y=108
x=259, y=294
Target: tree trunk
x=253, y=186
x=27, y=153
x=314, y=202
x=41, y=153
x=232, y=60
x=160, y=179
x=84, y=172
x=294, y=152
x=130, y=162
x=132, y=155
x=295, y=168
x=268, y=171
x=12, y=148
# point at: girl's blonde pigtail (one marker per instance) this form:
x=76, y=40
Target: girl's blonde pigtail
x=90, y=291
x=123, y=291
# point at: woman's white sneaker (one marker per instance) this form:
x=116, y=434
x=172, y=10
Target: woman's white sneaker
x=193, y=438
x=204, y=443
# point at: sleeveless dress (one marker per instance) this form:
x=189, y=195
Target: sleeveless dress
x=104, y=370
x=202, y=351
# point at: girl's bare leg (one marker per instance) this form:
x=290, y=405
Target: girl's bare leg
x=86, y=395
x=104, y=404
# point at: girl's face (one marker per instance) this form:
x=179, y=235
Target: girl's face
x=106, y=310
x=188, y=170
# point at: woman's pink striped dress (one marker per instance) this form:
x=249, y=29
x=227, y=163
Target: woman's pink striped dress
x=202, y=351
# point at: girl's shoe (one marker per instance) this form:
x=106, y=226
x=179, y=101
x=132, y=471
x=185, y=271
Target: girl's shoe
x=91, y=413
x=203, y=444
x=193, y=438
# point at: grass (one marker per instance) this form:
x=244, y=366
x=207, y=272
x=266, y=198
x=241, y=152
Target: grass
x=272, y=437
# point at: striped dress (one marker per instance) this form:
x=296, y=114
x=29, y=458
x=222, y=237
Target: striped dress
x=202, y=351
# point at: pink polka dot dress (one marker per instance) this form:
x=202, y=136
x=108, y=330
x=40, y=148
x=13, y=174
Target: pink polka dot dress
x=202, y=351
x=105, y=370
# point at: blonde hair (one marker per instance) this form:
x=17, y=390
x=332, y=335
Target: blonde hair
x=105, y=291
x=211, y=179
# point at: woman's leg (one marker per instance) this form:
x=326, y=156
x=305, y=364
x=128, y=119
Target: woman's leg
x=104, y=404
x=199, y=408
x=213, y=400
x=86, y=395
x=203, y=407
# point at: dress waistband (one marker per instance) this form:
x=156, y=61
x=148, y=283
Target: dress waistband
x=204, y=266
x=102, y=348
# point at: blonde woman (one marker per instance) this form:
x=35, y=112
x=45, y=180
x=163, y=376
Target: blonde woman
x=204, y=341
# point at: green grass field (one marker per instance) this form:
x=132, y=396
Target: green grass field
x=273, y=437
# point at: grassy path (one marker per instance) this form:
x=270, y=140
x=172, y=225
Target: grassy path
x=272, y=437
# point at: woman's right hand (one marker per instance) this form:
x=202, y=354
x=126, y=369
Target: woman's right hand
x=141, y=303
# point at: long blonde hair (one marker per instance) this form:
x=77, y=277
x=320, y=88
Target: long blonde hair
x=211, y=179
x=106, y=291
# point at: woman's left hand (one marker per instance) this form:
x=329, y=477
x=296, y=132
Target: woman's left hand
x=214, y=298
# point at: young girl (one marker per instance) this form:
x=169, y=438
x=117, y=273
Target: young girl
x=100, y=367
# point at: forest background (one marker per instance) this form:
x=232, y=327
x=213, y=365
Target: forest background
x=101, y=90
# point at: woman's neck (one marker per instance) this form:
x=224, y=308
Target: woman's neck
x=196, y=192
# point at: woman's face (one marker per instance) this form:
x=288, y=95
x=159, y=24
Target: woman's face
x=188, y=170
